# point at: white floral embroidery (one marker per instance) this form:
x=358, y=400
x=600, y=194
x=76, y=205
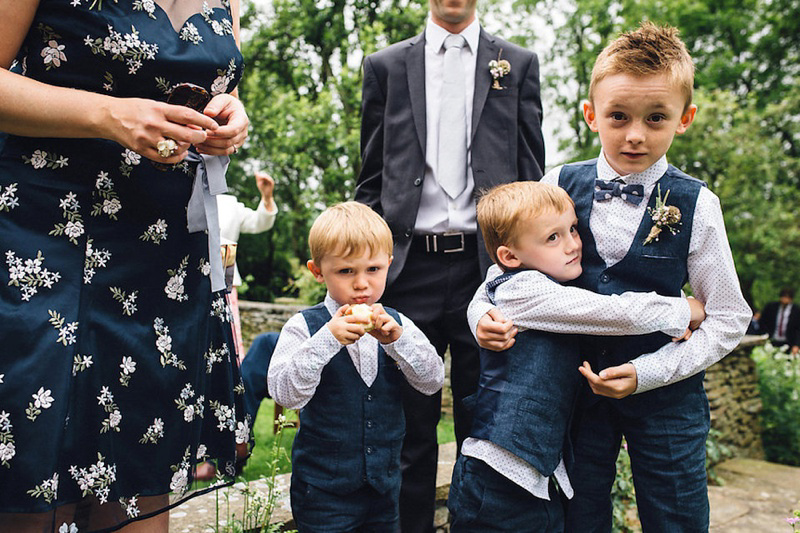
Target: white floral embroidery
x=74, y=227
x=41, y=159
x=124, y=47
x=164, y=345
x=75, y=3
x=202, y=452
x=175, y=289
x=53, y=52
x=106, y=400
x=148, y=6
x=155, y=232
x=189, y=33
x=109, y=84
x=216, y=355
x=47, y=490
x=128, y=301
x=154, y=432
x=130, y=505
x=205, y=267
x=222, y=27
x=66, y=331
x=223, y=79
x=96, y=479
x=129, y=160
x=7, y=450
x=109, y=199
x=95, y=258
x=8, y=198
x=225, y=416
x=81, y=363
x=180, y=479
x=242, y=432
x=220, y=309
x=190, y=410
x=128, y=367
x=29, y=275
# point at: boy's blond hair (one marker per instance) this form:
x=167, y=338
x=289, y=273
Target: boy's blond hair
x=348, y=229
x=647, y=51
x=504, y=211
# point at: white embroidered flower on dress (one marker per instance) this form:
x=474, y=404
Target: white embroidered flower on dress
x=189, y=33
x=48, y=489
x=8, y=198
x=53, y=54
x=96, y=479
x=7, y=449
x=29, y=275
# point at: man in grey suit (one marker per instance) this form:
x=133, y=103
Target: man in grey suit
x=445, y=115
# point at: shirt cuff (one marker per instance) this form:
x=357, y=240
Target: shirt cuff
x=475, y=312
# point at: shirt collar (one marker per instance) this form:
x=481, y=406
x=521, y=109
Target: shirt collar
x=331, y=305
x=435, y=35
x=648, y=177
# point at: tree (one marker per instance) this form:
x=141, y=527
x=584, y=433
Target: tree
x=302, y=89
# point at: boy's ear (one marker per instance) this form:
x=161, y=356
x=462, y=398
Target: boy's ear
x=315, y=270
x=589, y=116
x=507, y=258
x=686, y=119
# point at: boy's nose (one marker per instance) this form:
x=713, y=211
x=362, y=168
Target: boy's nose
x=573, y=243
x=635, y=134
x=360, y=282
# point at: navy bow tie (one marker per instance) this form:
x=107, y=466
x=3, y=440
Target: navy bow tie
x=604, y=190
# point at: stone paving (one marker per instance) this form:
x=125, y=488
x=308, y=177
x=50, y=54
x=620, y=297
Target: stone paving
x=757, y=496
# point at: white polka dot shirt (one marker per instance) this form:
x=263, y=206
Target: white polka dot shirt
x=299, y=358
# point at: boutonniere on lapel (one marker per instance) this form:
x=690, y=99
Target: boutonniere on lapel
x=498, y=68
x=664, y=217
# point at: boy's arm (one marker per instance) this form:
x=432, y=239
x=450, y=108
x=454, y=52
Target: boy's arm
x=417, y=358
x=712, y=276
x=531, y=300
x=298, y=361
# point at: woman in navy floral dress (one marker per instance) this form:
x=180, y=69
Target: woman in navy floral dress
x=115, y=369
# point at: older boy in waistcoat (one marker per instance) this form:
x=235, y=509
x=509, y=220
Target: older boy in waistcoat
x=346, y=455
x=645, y=226
x=518, y=447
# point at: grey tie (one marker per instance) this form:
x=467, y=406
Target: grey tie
x=451, y=168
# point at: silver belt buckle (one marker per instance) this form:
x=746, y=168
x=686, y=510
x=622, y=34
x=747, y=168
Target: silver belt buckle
x=450, y=234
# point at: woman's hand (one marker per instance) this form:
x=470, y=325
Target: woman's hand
x=231, y=116
x=140, y=124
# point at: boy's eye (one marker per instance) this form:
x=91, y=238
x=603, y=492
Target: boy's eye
x=345, y=270
x=573, y=228
x=553, y=237
x=657, y=118
x=373, y=269
x=617, y=116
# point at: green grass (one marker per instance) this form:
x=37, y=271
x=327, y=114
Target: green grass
x=258, y=464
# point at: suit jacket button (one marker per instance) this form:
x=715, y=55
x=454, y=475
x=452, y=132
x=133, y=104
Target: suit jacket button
x=418, y=182
x=409, y=233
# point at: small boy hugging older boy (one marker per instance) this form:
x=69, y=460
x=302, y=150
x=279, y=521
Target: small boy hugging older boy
x=645, y=226
x=526, y=394
x=346, y=454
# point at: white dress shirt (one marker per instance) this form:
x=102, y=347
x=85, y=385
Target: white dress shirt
x=438, y=212
x=299, y=358
x=531, y=300
x=236, y=218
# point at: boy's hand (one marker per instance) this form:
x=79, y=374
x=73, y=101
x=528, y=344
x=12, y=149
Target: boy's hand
x=698, y=314
x=614, y=381
x=494, y=332
x=346, y=329
x=386, y=330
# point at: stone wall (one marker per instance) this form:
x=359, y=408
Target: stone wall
x=732, y=388
x=731, y=384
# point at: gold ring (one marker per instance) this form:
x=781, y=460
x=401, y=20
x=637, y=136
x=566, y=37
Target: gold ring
x=166, y=148
x=235, y=148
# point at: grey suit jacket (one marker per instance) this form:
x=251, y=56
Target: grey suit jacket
x=507, y=142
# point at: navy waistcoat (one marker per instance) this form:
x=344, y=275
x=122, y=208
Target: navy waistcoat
x=526, y=396
x=659, y=266
x=350, y=434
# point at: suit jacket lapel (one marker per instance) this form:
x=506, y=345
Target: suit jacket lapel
x=487, y=50
x=415, y=69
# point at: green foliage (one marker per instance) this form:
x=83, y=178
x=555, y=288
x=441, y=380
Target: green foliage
x=779, y=385
x=302, y=90
x=716, y=452
x=305, y=286
x=623, y=495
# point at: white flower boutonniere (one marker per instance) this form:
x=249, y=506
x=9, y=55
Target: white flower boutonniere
x=498, y=68
x=664, y=217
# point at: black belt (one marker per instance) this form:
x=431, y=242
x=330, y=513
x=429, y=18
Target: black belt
x=445, y=243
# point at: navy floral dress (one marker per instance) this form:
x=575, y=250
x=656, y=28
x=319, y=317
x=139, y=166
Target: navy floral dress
x=116, y=376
